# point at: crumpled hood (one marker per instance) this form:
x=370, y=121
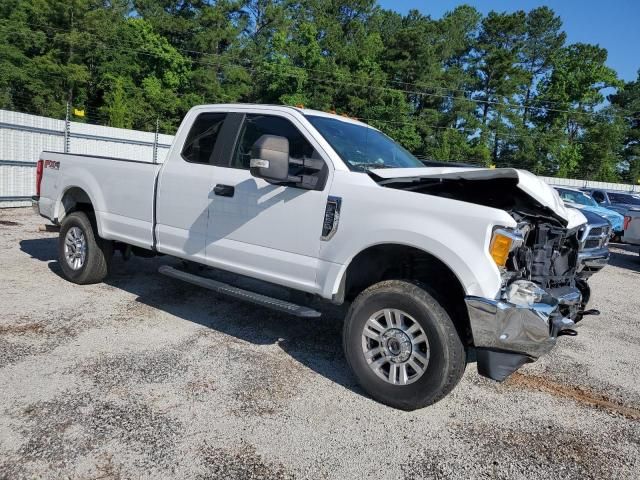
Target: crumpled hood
x=529, y=183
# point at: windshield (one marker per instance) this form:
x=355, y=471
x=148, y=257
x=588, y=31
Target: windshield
x=624, y=198
x=577, y=197
x=363, y=148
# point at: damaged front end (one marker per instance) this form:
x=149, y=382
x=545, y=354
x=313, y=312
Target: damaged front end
x=541, y=298
x=543, y=293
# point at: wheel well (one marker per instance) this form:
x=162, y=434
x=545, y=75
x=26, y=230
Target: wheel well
x=74, y=199
x=401, y=262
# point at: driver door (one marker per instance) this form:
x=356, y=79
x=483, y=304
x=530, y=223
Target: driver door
x=266, y=231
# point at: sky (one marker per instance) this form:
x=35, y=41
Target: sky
x=612, y=24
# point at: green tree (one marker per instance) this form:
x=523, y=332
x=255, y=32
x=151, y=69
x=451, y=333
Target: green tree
x=572, y=97
x=627, y=100
x=499, y=89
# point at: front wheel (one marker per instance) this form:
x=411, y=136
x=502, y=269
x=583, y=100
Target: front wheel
x=84, y=257
x=402, y=345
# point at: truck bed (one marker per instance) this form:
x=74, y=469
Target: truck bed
x=121, y=191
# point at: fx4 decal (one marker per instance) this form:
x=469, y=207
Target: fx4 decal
x=52, y=164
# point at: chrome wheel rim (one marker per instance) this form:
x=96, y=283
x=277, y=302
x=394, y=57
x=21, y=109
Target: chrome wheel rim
x=75, y=248
x=395, y=346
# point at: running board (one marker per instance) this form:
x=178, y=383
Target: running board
x=239, y=293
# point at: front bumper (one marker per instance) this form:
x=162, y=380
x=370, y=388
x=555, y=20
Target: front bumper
x=503, y=331
x=592, y=261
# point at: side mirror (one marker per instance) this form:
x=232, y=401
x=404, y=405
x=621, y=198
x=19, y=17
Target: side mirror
x=270, y=158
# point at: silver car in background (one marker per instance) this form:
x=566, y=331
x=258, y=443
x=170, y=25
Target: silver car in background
x=632, y=227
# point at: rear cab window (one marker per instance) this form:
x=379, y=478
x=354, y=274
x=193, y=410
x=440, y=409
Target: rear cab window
x=199, y=146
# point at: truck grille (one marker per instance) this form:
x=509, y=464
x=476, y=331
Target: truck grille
x=593, y=237
x=589, y=244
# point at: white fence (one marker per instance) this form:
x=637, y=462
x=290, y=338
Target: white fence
x=23, y=137
x=575, y=183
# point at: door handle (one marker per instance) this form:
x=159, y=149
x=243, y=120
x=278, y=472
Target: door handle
x=224, y=190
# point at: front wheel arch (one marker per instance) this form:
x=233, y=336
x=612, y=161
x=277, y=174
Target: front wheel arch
x=392, y=261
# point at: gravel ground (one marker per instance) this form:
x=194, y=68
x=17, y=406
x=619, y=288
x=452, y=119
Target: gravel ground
x=147, y=377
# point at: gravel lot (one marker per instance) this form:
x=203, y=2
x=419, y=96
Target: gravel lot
x=147, y=377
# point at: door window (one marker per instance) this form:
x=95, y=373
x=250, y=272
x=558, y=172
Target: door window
x=598, y=196
x=624, y=198
x=201, y=140
x=256, y=125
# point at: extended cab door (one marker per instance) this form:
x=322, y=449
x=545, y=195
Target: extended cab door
x=185, y=183
x=267, y=231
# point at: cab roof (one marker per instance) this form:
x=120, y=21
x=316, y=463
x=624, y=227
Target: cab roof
x=302, y=110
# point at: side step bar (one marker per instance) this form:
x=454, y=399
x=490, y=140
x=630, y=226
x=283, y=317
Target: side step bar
x=239, y=293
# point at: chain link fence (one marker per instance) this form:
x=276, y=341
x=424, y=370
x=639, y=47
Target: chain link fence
x=23, y=137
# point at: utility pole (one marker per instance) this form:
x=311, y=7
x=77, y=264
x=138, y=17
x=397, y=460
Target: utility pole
x=67, y=125
x=155, y=141
x=67, y=120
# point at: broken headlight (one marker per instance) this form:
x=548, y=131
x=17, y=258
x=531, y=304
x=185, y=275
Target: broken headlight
x=524, y=293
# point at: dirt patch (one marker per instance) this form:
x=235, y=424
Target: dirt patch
x=12, y=467
x=133, y=368
x=524, y=450
x=13, y=352
x=579, y=395
x=268, y=382
x=62, y=430
x=21, y=328
x=199, y=389
x=9, y=223
x=241, y=463
x=38, y=337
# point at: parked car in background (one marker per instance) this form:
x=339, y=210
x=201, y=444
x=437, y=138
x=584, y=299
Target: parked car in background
x=615, y=200
x=632, y=227
x=583, y=201
x=594, y=244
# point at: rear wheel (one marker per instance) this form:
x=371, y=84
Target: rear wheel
x=402, y=345
x=84, y=257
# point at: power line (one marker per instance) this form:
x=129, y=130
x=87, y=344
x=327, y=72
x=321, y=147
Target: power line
x=101, y=117
x=414, y=86
x=97, y=117
x=255, y=69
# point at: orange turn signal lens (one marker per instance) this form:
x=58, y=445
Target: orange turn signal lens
x=500, y=247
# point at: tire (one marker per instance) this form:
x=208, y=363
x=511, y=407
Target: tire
x=443, y=349
x=96, y=262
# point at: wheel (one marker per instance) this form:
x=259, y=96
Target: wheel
x=84, y=257
x=402, y=345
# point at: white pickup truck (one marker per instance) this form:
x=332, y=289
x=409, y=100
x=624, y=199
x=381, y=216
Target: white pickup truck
x=435, y=263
